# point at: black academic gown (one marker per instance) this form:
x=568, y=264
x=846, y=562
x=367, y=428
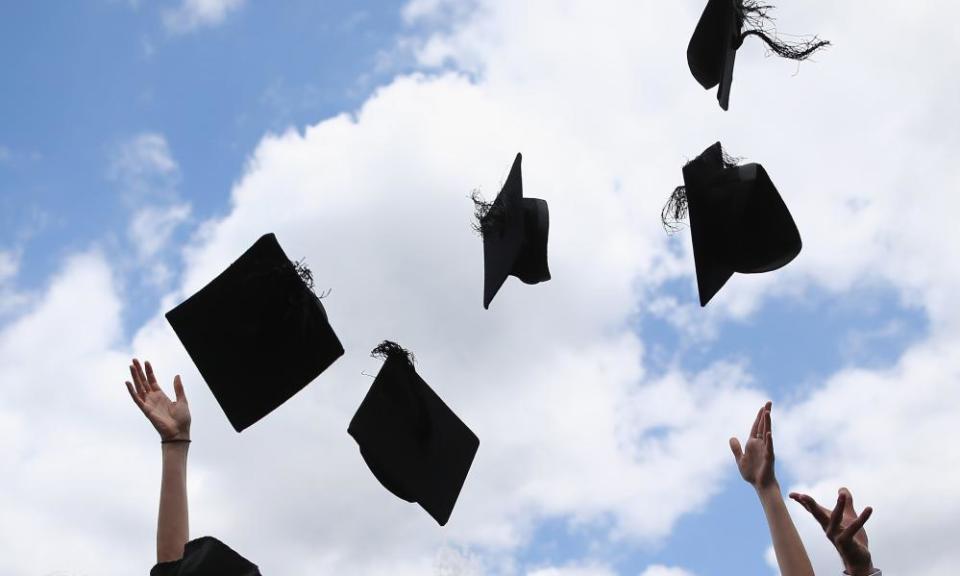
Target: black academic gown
x=207, y=556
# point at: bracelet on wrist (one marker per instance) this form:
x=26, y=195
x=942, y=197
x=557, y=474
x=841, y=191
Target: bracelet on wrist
x=176, y=441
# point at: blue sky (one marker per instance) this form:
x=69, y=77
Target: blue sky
x=790, y=347
x=81, y=79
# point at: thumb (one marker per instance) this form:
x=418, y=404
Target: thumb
x=178, y=389
x=736, y=449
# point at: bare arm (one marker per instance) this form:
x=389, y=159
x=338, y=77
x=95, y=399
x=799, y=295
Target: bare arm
x=173, y=524
x=172, y=422
x=756, y=467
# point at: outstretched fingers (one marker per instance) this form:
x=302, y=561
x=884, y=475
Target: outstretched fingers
x=850, y=531
x=767, y=421
x=755, y=429
x=818, y=512
x=133, y=394
x=848, y=502
x=836, y=516
x=137, y=383
x=141, y=376
x=151, y=379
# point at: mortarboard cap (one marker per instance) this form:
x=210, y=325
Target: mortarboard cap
x=514, y=233
x=738, y=221
x=257, y=333
x=412, y=442
x=712, y=50
x=207, y=556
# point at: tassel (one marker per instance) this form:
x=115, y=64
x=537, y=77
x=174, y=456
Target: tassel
x=728, y=160
x=304, y=273
x=675, y=211
x=487, y=217
x=754, y=15
x=406, y=392
x=387, y=349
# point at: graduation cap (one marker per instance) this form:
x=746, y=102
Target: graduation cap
x=722, y=28
x=257, y=332
x=738, y=221
x=207, y=556
x=514, y=231
x=411, y=441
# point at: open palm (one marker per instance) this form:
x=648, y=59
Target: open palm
x=755, y=461
x=171, y=419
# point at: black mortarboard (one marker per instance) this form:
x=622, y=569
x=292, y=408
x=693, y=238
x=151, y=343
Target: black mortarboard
x=257, y=332
x=719, y=34
x=514, y=232
x=738, y=221
x=207, y=556
x=411, y=441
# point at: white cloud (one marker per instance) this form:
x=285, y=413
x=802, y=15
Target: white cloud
x=599, y=570
x=573, y=571
x=9, y=264
x=147, y=175
x=660, y=570
x=885, y=435
x=191, y=15
x=150, y=231
x=61, y=431
x=144, y=169
x=566, y=423
x=11, y=299
x=436, y=11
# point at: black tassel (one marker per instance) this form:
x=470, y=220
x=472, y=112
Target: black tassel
x=675, y=211
x=487, y=216
x=387, y=349
x=728, y=160
x=755, y=16
x=304, y=272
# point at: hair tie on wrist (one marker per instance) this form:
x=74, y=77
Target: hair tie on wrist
x=176, y=441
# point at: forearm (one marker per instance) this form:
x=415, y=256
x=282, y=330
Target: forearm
x=173, y=527
x=791, y=555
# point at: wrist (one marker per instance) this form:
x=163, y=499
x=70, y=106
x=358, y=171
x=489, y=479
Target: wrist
x=182, y=436
x=174, y=448
x=770, y=489
x=866, y=569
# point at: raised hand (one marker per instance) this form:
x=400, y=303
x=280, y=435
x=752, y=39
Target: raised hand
x=171, y=419
x=844, y=527
x=756, y=462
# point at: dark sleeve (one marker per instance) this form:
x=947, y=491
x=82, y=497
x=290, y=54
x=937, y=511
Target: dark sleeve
x=207, y=556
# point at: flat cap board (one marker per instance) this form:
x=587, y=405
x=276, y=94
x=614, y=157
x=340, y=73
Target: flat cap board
x=256, y=333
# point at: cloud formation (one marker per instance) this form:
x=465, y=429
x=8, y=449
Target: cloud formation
x=147, y=177
x=144, y=168
x=191, y=15
x=553, y=378
x=11, y=299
